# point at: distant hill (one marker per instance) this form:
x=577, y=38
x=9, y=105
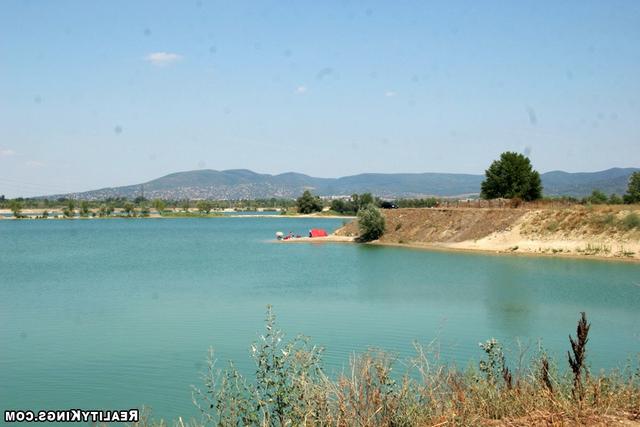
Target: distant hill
x=614, y=180
x=245, y=184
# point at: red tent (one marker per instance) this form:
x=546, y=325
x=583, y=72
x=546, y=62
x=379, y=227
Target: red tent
x=317, y=232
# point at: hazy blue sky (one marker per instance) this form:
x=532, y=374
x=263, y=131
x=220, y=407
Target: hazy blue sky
x=108, y=93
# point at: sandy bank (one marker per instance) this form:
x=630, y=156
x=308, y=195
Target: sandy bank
x=603, y=232
x=328, y=239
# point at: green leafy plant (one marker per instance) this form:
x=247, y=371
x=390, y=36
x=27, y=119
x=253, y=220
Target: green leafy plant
x=631, y=221
x=371, y=223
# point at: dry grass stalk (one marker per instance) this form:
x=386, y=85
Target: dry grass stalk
x=577, y=362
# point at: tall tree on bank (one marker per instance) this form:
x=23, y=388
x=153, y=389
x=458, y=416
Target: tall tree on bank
x=204, y=206
x=633, y=190
x=308, y=203
x=511, y=176
x=16, y=208
x=159, y=205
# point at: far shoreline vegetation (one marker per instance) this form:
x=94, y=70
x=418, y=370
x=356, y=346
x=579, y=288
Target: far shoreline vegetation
x=65, y=208
x=511, y=180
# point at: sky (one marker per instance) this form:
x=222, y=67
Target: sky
x=97, y=94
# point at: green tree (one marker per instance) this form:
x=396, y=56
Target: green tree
x=370, y=223
x=205, y=206
x=339, y=205
x=84, y=208
x=71, y=206
x=128, y=208
x=614, y=199
x=308, y=203
x=512, y=176
x=159, y=205
x=185, y=205
x=597, y=197
x=633, y=190
x=365, y=200
x=16, y=208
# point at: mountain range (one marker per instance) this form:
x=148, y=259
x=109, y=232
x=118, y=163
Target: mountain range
x=237, y=184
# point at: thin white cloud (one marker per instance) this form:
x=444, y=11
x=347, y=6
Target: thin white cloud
x=301, y=89
x=6, y=152
x=389, y=93
x=162, y=59
x=34, y=164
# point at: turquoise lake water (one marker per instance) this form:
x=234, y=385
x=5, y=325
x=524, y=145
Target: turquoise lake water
x=119, y=313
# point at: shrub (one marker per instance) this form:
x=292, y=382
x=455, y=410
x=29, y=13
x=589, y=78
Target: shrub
x=553, y=226
x=597, y=197
x=609, y=219
x=614, y=199
x=631, y=221
x=285, y=390
x=370, y=223
x=495, y=366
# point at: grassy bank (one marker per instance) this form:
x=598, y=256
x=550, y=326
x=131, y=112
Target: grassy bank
x=290, y=388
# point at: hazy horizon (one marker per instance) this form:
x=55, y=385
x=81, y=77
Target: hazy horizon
x=105, y=95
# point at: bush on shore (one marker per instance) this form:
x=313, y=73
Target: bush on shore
x=370, y=223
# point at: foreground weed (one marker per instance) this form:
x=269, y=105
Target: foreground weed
x=577, y=360
x=290, y=389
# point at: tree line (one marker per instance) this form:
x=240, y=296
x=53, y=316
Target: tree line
x=510, y=177
x=513, y=177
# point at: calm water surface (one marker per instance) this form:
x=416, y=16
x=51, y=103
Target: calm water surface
x=119, y=313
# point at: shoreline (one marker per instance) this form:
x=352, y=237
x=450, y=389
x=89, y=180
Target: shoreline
x=490, y=245
x=579, y=232
x=459, y=247
x=440, y=247
x=157, y=216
